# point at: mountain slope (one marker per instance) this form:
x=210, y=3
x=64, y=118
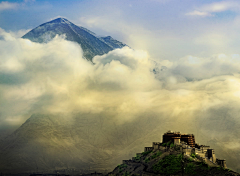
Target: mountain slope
x=112, y=42
x=90, y=43
x=37, y=145
x=53, y=142
x=84, y=142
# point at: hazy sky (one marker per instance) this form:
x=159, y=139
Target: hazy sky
x=167, y=29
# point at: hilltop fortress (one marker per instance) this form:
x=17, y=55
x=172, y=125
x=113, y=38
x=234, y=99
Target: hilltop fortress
x=177, y=154
x=187, y=145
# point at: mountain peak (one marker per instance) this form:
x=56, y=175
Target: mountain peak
x=89, y=42
x=59, y=20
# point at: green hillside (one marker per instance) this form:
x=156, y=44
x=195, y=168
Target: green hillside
x=168, y=160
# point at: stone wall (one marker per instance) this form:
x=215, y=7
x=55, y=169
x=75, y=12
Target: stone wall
x=211, y=155
x=222, y=163
x=148, y=149
x=156, y=145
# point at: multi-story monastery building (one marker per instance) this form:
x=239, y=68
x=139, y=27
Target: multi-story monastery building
x=188, y=146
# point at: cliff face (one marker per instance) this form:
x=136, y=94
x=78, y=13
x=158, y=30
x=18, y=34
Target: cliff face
x=169, y=160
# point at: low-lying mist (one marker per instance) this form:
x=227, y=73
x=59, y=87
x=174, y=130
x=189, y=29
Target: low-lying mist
x=191, y=95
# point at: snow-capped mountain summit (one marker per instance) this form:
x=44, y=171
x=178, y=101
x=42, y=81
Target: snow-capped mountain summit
x=91, y=44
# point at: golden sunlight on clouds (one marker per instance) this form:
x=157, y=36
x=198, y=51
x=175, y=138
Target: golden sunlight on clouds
x=192, y=94
x=126, y=83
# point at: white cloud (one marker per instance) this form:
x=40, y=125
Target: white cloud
x=5, y=5
x=199, y=13
x=53, y=78
x=210, y=9
x=222, y=6
x=119, y=79
x=19, y=33
x=26, y=1
x=160, y=1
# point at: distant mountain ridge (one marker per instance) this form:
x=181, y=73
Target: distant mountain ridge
x=91, y=44
x=46, y=143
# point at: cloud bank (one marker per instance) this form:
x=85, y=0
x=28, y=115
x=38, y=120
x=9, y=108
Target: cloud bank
x=195, y=94
x=216, y=7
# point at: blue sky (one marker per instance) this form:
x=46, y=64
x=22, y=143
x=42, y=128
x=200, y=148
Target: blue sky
x=167, y=29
